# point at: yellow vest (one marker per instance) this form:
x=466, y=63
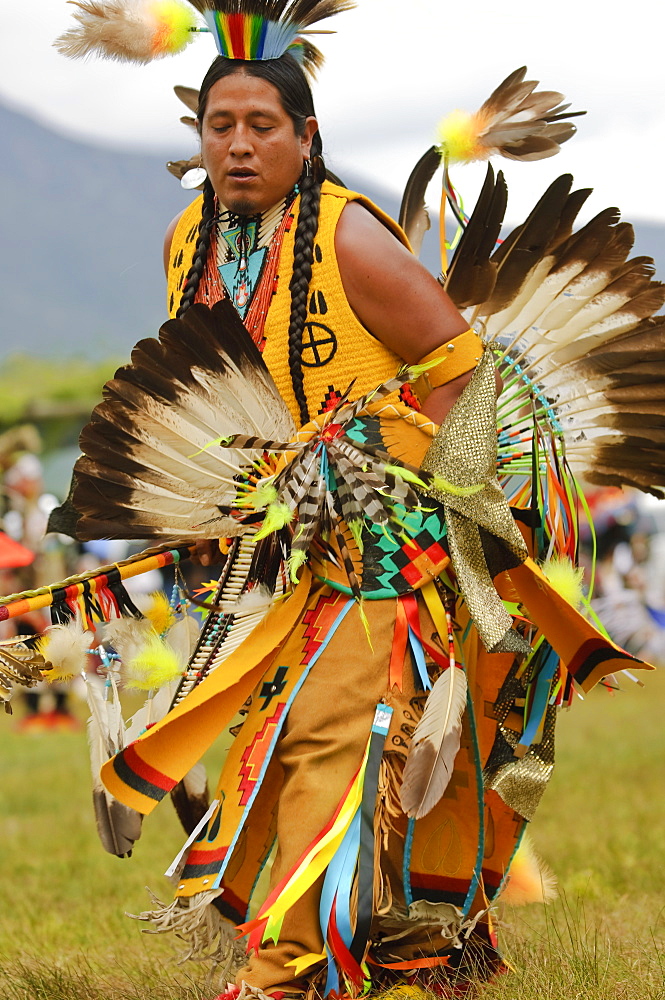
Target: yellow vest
x=336, y=346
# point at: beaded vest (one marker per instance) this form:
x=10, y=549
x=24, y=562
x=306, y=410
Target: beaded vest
x=336, y=346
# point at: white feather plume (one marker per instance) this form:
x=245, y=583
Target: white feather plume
x=66, y=647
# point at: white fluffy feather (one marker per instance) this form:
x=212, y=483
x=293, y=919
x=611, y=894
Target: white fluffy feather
x=66, y=648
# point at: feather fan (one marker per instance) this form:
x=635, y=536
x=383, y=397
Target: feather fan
x=574, y=315
x=20, y=664
x=147, y=470
x=435, y=744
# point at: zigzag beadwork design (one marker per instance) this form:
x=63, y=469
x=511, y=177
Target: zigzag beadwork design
x=254, y=755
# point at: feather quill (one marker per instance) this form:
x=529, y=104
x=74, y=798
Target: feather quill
x=435, y=744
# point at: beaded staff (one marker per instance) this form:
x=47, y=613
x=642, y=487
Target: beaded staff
x=99, y=593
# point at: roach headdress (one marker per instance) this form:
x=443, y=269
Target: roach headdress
x=143, y=30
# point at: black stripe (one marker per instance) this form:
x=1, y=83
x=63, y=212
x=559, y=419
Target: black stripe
x=438, y=896
x=596, y=658
x=135, y=781
x=205, y=868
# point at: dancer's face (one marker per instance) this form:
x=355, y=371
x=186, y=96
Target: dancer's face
x=249, y=145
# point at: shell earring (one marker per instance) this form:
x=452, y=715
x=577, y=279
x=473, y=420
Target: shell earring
x=194, y=178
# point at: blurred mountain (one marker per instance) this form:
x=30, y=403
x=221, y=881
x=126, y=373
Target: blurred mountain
x=81, y=247
x=82, y=231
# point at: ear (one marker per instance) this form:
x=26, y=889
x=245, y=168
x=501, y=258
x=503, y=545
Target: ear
x=311, y=128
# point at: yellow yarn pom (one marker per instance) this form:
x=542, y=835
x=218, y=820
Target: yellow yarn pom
x=566, y=579
x=157, y=609
x=173, y=27
x=154, y=665
x=458, y=135
x=264, y=495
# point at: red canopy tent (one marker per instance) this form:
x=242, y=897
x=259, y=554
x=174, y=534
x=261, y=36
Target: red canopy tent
x=13, y=554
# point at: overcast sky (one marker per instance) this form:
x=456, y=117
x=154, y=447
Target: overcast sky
x=392, y=71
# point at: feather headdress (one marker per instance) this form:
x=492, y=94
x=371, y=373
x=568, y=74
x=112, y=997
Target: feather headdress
x=143, y=30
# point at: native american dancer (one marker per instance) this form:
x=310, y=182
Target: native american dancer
x=389, y=640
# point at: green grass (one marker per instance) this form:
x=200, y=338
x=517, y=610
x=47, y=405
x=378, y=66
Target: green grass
x=64, y=936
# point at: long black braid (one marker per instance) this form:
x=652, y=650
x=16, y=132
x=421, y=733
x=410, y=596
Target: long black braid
x=195, y=272
x=303, y=255
x=286, y=75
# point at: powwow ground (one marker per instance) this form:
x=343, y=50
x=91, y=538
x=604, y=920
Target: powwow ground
x=63, y=935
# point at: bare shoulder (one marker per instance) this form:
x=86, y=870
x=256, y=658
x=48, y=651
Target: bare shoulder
x=391, y=292
x=168, y=239
x=359, y=230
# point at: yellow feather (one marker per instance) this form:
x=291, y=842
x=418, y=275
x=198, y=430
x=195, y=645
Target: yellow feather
x=459, y=134
x=154, y=665
x=173, y=27
x=157, y=609
x=566, y=579
x=529, y=880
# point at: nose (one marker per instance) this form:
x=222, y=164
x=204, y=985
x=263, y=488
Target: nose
x=241, y=144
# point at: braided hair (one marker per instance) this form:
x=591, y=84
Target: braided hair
x=288, y=78
x=200, y=252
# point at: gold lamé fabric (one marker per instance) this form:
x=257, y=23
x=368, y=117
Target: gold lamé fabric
x=464, y=452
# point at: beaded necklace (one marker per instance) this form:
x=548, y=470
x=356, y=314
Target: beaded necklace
x=242, y=262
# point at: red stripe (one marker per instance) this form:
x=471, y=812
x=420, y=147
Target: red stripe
x=144, y=770
x=440, y=882
x=400, y=639
x=584, y=652
x=237, y=34
x=202, y=857
x=417, y=963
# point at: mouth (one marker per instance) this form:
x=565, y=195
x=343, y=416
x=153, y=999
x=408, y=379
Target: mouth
x=242, y=174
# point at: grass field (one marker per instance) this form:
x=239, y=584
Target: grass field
x=64, y=936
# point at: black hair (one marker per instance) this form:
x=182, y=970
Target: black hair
x=288, y=78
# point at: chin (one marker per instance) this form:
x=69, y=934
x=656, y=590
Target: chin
x=242, y=206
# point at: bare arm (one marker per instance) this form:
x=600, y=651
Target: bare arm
x=396, y=298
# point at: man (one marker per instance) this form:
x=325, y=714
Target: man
x=387, y=831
